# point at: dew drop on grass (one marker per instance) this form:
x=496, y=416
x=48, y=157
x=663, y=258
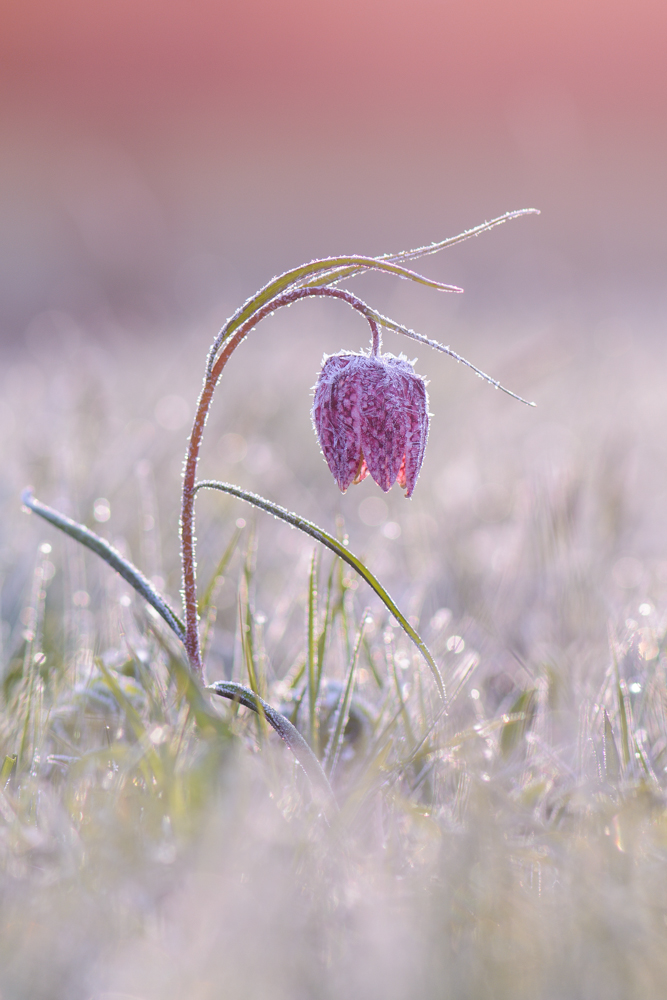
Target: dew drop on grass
x=48, y=571
x=648, y=647
x=28, y=616
x=440, y=619
x=455, y=644
x=391, y=530
x=101, y=510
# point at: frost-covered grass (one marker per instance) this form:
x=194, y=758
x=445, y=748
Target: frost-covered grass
x=157, y=845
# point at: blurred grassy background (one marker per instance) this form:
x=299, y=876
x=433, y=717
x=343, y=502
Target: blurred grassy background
x=160, y=162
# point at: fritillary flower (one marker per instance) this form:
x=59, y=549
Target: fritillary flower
x=370, y=414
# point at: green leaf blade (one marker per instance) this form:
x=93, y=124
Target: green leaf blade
x=112, y=556
x=287, y=732
x=324, y=538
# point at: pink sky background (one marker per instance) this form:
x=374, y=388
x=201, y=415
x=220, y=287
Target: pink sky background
x=158, y=152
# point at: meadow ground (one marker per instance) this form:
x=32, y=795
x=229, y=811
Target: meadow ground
x=515, y=846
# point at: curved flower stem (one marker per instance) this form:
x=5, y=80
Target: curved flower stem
x=286, y=299
x=214, y=370
x=188, y=565
x=376, y=341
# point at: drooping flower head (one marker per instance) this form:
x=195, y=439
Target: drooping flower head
x=370, y=414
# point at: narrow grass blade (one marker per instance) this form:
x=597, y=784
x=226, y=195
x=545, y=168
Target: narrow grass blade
x=207, y=596
x=313, y=678
x=521, y=715
x=322, y=638
x=331, y=270
x=461, y=676
x=479, y=731
x=362, y=263
x=623, y=705
x=612, y=762
x=246, y=618
x=644, y=758
x=335, y=743
x=389, y=324
x=28, y=713
x=208, y=721
x=432, y=248
x=466, y=235
x=245, y=625
x=287, y=732
x=299, y=276
x=377, y=677
x=409, y=735
x=331, y=543
x=7, y=770
x=625, y=719
x=422, y=743
x=112, y=556
x=150, y=759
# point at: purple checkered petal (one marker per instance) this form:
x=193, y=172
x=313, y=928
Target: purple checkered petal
x=371, y=416
x=383, y=423
x=415, y=409
x=337, y=418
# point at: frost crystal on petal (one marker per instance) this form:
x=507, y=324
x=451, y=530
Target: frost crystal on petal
x=371, y=416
